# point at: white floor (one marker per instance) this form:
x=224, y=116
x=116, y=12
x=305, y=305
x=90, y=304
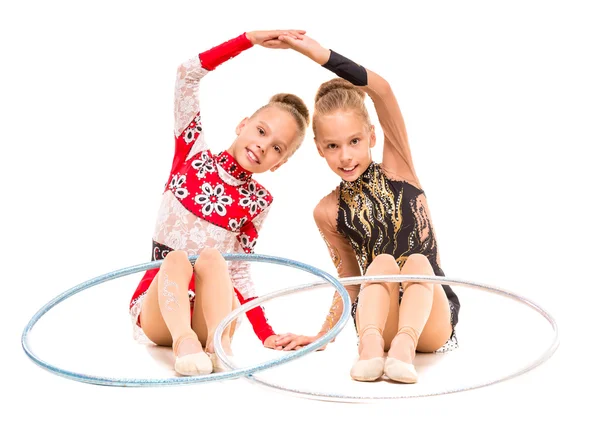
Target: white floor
x=485, y=353
x=490, y=329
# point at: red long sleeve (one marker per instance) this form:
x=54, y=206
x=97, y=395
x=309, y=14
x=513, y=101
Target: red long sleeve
x=214, y=57
x=257, y=318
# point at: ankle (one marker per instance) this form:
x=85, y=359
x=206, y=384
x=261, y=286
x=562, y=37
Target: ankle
x=186, y=344
x=371, y=340
x=402, y=348
x=371, y=345
x=226, y=344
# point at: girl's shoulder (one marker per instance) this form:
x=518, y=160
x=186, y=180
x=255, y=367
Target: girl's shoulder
x=326, y=209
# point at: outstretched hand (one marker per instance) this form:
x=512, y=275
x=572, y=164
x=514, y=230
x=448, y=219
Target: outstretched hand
x=270, y=39
x=288, y=342
x=307, y=46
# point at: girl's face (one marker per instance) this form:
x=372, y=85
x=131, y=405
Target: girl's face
x=345, y=141
x=264, y=141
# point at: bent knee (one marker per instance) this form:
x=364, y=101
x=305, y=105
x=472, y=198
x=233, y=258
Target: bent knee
x=383, y=264
x=177, y=260
x=209, y=258
x=417, y=264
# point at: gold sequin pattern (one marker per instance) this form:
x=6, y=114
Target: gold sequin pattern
x=381, y=216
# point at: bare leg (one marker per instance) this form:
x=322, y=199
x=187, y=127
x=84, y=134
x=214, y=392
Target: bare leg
x=214, y=298
x=166, y=315
x=423, y=323
x=377, y=311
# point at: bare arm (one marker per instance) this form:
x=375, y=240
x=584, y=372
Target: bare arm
x=345, y=262
x=397, y=158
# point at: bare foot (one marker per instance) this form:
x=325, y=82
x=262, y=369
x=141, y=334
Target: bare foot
x=402, y=348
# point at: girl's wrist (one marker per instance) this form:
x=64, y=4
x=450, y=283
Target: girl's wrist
x=250, y=36
x=321, y=55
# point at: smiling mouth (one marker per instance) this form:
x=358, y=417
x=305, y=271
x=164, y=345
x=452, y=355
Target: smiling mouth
x=252, y=156
x=349, y=170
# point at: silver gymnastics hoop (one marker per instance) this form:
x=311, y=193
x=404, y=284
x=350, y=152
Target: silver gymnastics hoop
x=336, y=397
x=218, y=376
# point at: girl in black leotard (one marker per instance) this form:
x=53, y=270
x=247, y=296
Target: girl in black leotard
x=376, y=222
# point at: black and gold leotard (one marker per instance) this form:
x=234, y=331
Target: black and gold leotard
x=385, y=210
x=378, y=215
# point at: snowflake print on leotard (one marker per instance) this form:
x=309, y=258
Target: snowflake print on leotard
x=209, y=200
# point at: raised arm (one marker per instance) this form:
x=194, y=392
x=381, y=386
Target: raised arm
x=188, y=126
x=397, y=158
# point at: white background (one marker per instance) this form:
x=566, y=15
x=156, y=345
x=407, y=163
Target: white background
x=501, y=101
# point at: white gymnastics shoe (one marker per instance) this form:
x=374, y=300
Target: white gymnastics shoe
x=367, y=370
x=194, y=363
x=218, y=365
x=399, y=371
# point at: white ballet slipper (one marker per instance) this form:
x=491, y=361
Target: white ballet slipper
x=218, y=365
x=367, y=370
x=194, y=364
x=399, y=371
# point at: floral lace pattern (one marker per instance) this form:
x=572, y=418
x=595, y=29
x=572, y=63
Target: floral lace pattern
x=201, y=203
x=186, y=99
x=180, y=229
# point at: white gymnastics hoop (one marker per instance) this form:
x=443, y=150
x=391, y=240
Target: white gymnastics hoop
x=336, y=397
x=154, y=382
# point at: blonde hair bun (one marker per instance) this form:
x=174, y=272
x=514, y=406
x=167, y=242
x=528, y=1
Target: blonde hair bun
x=335, y=84
x=295, y=102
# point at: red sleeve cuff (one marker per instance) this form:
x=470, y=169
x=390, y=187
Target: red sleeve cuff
x=214, y=57
x=259, y=323
x=257, y=318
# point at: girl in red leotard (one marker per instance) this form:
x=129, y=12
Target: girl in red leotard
x=211, y=205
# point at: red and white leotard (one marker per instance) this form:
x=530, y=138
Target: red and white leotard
x=209, y=199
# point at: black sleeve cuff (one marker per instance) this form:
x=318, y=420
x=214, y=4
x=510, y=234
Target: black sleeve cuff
x=346, y=69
